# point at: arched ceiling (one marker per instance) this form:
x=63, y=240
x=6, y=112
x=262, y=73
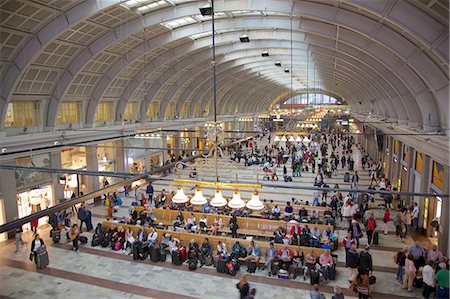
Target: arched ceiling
x=389, y=58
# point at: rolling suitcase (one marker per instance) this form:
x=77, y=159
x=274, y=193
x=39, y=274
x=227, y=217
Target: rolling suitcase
x=162, y=256
x=221, y=266
x=183, y=252
x=314, y=276
x=42, y=259
x=176, y=258
x=56, y=236
x=135, y=250
x=251, y=268
x=332, y=273
x=155, y=253
x=375, y=238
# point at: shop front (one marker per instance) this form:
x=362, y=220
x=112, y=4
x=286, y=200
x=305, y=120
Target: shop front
x=433, y=204
x=35, y=200
x=106, y=161
x=73, y=158
x=417, y=182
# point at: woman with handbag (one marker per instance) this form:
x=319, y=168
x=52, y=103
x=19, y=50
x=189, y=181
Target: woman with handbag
x=243, y=286
x=361, y=286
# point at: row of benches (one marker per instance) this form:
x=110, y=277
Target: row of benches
x=247, y=226
x=185, y=238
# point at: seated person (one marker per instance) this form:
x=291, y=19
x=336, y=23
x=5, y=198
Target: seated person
x=303, y=213
x=112, y=233
x=222, y=249
x=129, y=239
x=253, y=253
x=165, y=240
x=152, y=237
x=173, y=244
x=121, y=235
x=99, y=230
x=238, y=250
x=190, y=223
x=276, y=212
x=150, y=216
x=315, y=237
x=326, y=262
x=310, y=263
x=203, y=223
x=285, y=257
x=295, y=233
x=279, y=235
x=205, y=250
x=266, y=211
x=179, y=220
x=193, y=249
x=218, y=224
x=270, y=256
x=288, y=211
x=297, y=263
x=134, y=215
x=327, y=233
x=141, y=233
x=326, y=244
x=162, y=198
x=314, y=216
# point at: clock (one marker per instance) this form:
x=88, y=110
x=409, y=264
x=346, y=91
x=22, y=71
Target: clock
x=215, y=133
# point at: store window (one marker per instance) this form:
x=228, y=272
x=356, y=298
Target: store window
x=34, y=201
x=105, y=111
x=153, y=110
x=70, y=113
x=437, y=177
x=131, y=111
x=23, y=113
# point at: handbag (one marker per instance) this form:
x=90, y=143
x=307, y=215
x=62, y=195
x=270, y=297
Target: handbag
x=31, y=256
x=372, y=280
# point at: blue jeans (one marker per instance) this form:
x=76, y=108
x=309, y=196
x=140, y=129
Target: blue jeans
x=441, y=293
x=400, y=272
x=325, y=272
x=346, y=253
x=415, y=224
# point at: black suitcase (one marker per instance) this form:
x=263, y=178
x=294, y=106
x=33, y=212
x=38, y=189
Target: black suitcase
x=332, y=273
x=163, y=256
x=42, y=259
x=208, y=260
x=95, y=241
x=177, y=258
x=193, y=263
x=275, y=269
x=375, y=238
x=143, y=251
x=83, y=239
x=221, y=266
x=155, y=253
x=105, y=242
x=135, y=249
x=56, y=236
x=314, y=276
x=251, y=267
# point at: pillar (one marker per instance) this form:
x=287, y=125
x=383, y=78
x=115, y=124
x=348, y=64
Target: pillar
x=391, y=155
x=425, y=181
x=91, y=182
x=165, y=155
x=443, y=242
x=177, y=144
x=8, y=191
x=58, y=189
x=119, y=156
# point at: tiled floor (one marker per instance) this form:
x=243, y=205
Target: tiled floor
x=102, y=273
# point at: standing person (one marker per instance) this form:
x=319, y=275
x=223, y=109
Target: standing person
x=356, y=231
x=408, y=221
x=386, y=219
x=150, y=192
x=365, y=261
x=398, y=222
x=74, y=235
x=243, y=286
x=34, y=224
x=233, y=226
x=337, y=293
x=415, y=217
x=410, y=272
x=347, y=242
x=353, y=263
x=429, y=277
x=315, y=294
x=370, y=228
x=418, y=253
x=442, y=279
x=82, y=215
x=400, y=259
x=35, y=245
x=19, y=240
x=361, y=286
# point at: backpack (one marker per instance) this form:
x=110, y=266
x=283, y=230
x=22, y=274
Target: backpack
x=371, y=224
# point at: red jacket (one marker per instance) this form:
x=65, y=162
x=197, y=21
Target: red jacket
x=292, y=231
x=280, y=253
x=35, y=223
x=344, y=242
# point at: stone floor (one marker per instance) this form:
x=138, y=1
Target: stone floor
x=102, y=273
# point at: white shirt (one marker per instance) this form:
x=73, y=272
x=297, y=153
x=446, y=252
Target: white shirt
x=37, y=244
x=152, y=237
x=428, y=276
x=415, y=212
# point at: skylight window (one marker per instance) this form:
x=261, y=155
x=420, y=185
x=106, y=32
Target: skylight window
x=240, y=13
x=152, y=6
x=217, y=15
x=135, y=3
x=173, y=24
x=200, y=35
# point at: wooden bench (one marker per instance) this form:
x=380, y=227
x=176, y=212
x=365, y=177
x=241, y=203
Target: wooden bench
x=185, y=238
x=247, y=226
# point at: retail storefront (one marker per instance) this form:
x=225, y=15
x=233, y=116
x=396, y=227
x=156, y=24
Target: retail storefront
x=73, y=158
x=395, y=164
x=433, y=204
x=106, y=160
x=35, y=200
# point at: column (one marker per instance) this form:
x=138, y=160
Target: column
x=164, y=146
x=8, y=190
x=389, y=161
x=58, y=189
x=443, y=242
x=425, y=181
x=92, y=182
x=177, y=144
x=119, y=156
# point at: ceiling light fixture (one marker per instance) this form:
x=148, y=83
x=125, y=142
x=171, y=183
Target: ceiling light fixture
x=244, y=38
x=206, y=10
x=236, y=202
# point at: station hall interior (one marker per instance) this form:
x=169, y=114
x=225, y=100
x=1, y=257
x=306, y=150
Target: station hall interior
x=250, y=118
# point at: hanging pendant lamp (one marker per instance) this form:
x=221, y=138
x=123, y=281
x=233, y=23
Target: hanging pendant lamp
x=255, y=203
x=298, y=139
x=198, y=199
x=283, y=139
x=276, y=139
x=291, y=139
x=180, y=197
x=236, y=202
x=218, y=199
